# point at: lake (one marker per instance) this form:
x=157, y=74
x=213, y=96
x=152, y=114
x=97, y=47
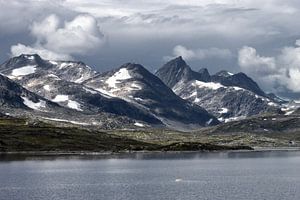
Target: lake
x=141, y=176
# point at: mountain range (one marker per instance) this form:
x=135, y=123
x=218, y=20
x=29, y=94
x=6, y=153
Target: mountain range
x=226, y=95
x=130, y=96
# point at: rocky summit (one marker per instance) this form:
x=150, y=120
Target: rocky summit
x=226, y=95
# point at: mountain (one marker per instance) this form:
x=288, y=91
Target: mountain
x=59, y=82
x=142, y=100
x=136, y=85
x=227, y=96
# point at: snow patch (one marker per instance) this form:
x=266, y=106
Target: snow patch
x=81, y=79
x=53, y=76
x=104, y=92
x=210, y=85
x=196, y=100
x=47, y=87
x=74, y=105
x=64, y=65
x=272, y=104
x=140, y=99
x=122, y=74
x=237, y=88
x=289, y=112
x=23, y=71
x=30, y=57
x=139, y=124
x=224, y=110
x=209, y=121
x=60, y=98
x=136, y=86
x=68, y=121
x=234, y=119
x=53, y=62
x=33, y=105
x=89, y=90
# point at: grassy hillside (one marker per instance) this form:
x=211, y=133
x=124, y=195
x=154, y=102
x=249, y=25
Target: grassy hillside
x=18, y=135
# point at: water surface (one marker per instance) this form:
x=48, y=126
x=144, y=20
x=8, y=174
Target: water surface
x=184, y=176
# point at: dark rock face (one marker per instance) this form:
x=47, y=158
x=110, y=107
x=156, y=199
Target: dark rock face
x=228, y=96
x=177, y=70
x=203, y=75
x=240, y=80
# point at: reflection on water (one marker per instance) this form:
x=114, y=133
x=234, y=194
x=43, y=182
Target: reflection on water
x=189, y=176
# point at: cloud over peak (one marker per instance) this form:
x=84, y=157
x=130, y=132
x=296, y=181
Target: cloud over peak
x=59, y=40
x=278, y=73
x=199, y=54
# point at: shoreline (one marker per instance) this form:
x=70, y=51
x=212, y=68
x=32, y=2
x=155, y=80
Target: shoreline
x=90, y=153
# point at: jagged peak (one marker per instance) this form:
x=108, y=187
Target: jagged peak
x=224, y=73
x=177, y=62
x=203, y=71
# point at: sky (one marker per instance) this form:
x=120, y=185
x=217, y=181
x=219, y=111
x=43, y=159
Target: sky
x=258, y=37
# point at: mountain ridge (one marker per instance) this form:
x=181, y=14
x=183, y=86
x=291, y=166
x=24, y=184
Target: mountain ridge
x=70, y=84
x=228, y=96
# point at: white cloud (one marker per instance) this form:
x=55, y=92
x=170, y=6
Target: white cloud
x=55, y=39
x=44, y=53
x=280, y=72
x=249, y=60
x=199, y=54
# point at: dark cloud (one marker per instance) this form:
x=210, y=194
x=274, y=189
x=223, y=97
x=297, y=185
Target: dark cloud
x=146, y=31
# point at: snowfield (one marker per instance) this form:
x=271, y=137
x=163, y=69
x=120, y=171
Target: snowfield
x=60, y=98
x=23, y=71
x=210, y=85
x=32, y=105
x=122, y=74
x=74, y=105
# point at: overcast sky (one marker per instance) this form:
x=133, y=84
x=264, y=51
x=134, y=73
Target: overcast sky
x=258, y=37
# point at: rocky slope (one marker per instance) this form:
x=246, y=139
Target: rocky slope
x=227, y=96
x=134, y=84
x=58, y=82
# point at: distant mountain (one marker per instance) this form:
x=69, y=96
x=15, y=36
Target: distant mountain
x=23, y=65
x=177, y=70
x=136, y=85
x=227, y=96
